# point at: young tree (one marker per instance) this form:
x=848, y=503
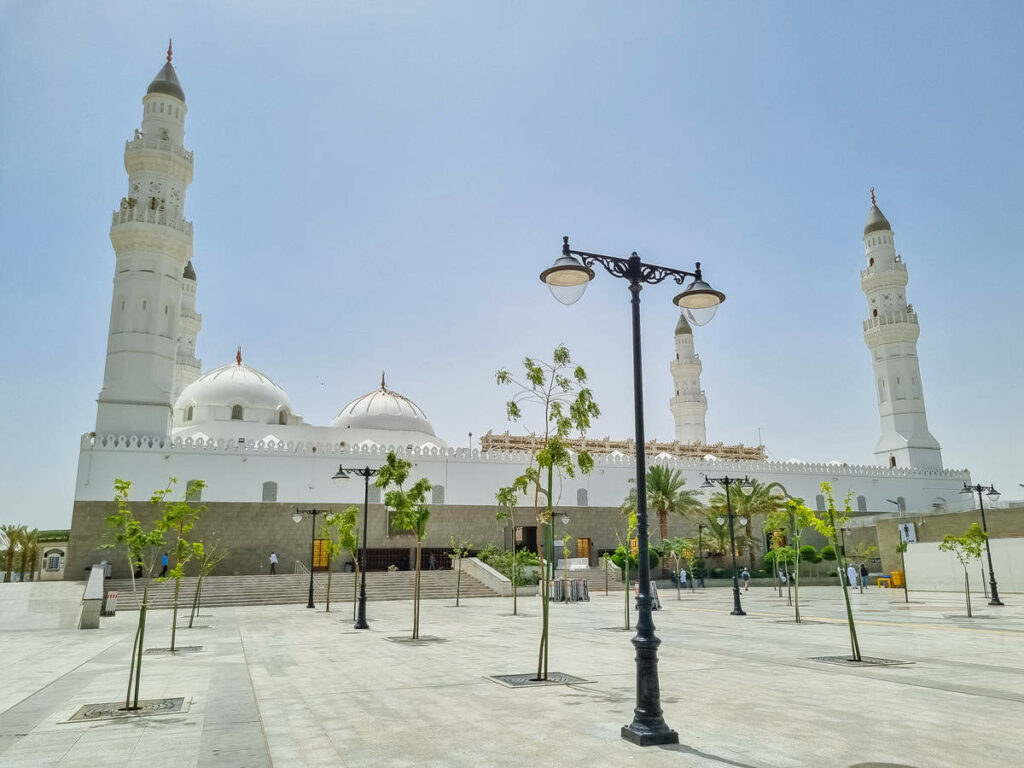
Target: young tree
x=794, y=518
x=557, y=388
x=458, y=551
x=180, y=518
x=625, y=552
x=142, y=550
x=676, y=549
x=347, y=538
x=330, y=538
x=828, y=523
x=411, y=513
x=666, y=495
x=208, y=554
x=507, y=499
x=967, y=549
x=901, y=547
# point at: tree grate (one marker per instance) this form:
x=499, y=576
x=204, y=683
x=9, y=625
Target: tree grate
x=421, y=640
x=178, y=649
x=865, y=661
x=113, y=710
x=802, y=621
x=529, y=680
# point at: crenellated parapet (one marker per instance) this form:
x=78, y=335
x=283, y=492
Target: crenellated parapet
x=198, y=445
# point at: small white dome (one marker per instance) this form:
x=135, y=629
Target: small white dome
x=213, y=395
x=383, y=409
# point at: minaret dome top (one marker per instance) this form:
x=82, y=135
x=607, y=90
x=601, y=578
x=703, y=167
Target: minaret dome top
x=166, y=80
x=876, y=219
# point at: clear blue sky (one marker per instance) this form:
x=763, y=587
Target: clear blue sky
x=378, y=185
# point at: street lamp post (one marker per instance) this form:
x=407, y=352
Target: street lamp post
x=700, y=551
x=341, y=477
x=567, y=280
x=297, y=517
x=993, y=494
x=746, y=488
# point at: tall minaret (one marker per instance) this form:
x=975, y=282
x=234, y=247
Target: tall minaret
x=153, y=244
x=187, y=366
x=891, y=332
x=689, y=406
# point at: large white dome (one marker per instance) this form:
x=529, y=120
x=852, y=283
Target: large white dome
x=383, y=409
x=235, y=392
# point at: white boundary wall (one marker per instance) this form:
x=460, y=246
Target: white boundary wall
x=932, y=570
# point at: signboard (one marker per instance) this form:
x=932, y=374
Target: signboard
x=908, y=532
x=634, y=547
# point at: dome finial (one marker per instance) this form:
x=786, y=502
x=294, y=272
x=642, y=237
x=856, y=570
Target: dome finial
x=238, y=356
x=872, y=195
x=382, y=384
x=170, y=53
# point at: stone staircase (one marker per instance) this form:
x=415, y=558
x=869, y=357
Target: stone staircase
x=284, y=589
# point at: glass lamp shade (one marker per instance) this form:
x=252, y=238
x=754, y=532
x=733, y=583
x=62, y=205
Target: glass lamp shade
x=699, y=302
x=567, y=279
x=340, y=477
x=565, y=519
x=297, y=517
x=747, y=487
x=707, y=483
x=742, y=519
x=721, y=520
x=993, y=494
x=966, y=489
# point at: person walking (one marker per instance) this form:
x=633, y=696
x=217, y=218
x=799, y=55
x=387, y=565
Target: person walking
x=163, y=562
x=273, y=563
x=863, y=576
x=746, y=580
x=682, y=578
x=851, y=575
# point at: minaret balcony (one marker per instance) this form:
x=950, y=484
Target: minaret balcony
x=138, y=215
x=146, y=154
x=883, y=276
x=891, y=327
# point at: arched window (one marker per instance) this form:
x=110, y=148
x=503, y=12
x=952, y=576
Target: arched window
x=874, y=313
x=193, y=491
x=901, y=503
x=270, y=491
x=892, y=461
x=237, y=412
x=819, y=502
x=437, y=495
x=282, y=416
x=188, y=413
x=871, y=261
x=862, y=504
x=582, y=497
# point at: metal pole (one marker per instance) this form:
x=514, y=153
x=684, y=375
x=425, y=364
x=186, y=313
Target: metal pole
x=737, y=608
x=648, y=726
x=988, y=551
x=700, y=551
x=312, y=549
x=361, y=616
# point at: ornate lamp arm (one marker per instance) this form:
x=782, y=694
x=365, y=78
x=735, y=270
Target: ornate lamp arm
x=631, y=269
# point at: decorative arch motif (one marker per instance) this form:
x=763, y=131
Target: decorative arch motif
x=237, y=413
x=582, y=497
x=270, y=491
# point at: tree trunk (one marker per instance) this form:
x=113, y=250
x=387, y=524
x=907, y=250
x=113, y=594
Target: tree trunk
x=416, y=594
x=663, y=524
x=328, y=609
x=355, y=588
x=195, y=601
x=131, y=664
x=625, y=572
x=967, y=593
x=142, y=635
x=796, y=588
x=854, y=645
x=174, y=614
x=458, y=580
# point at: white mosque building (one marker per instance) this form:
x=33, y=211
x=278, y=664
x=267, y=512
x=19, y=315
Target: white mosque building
x=236, y=429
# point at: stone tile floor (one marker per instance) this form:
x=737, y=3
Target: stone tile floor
x=287, y=686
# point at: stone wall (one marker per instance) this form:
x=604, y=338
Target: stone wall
x=1002, y=524
x=251, y=531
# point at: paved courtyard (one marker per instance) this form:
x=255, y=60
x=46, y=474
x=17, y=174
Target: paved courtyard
x=287, y=686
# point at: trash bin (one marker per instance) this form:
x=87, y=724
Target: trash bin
x=897, y=578
x=110, y=604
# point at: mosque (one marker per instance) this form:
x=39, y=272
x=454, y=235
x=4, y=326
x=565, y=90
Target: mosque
x=233, y=427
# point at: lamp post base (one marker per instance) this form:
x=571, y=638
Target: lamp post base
x=361, y=615
x=737, y=612
x=648, y=737
x=994, y=601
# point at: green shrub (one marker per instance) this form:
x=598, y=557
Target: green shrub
x=501, y=561
x=619, y=558
x=828, y=552
x=808, y=553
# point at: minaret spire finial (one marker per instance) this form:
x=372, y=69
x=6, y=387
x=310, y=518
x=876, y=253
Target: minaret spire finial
x=872, y=195
x=170, y=52
x=382, y=384
x=238, y=356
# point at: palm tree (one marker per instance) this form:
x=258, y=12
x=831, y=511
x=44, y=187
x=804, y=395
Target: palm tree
x=12, y=535
x=760, y=501
x=716, y=534
x=29, y=552
x=665, y=496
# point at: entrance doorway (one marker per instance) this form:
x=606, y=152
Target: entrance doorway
x=526, y=537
